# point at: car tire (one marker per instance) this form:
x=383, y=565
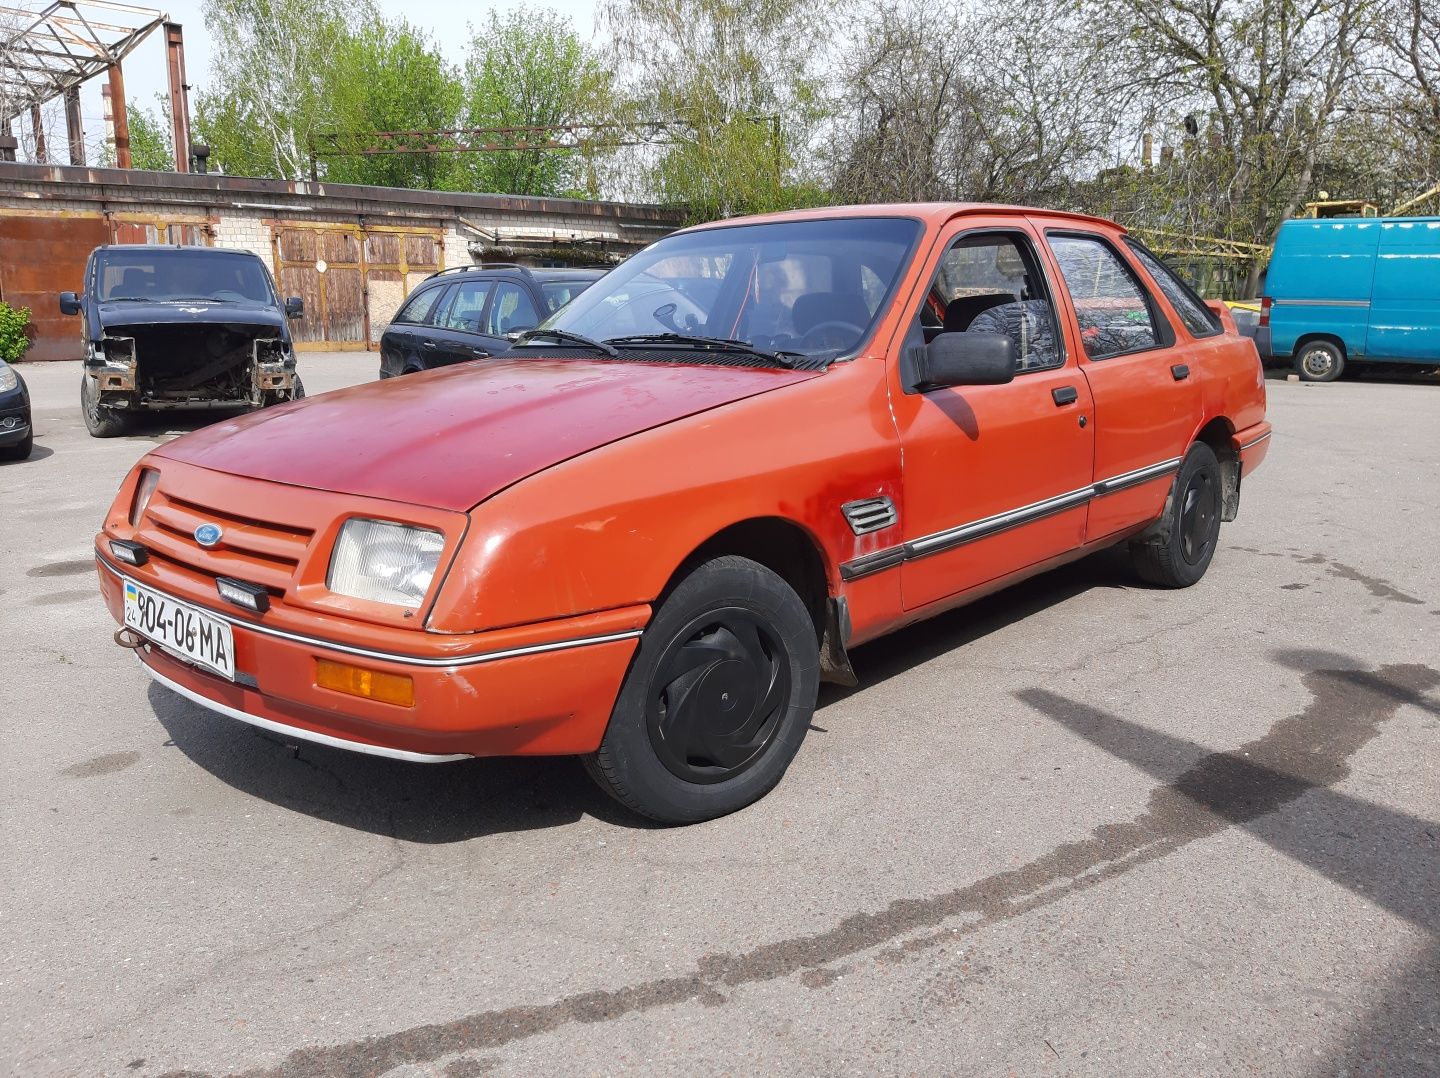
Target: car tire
x=1177, y=551
x=100, y=421
x=298, y=393
x=20, y=450
x=718, y=699
x=1319, y=361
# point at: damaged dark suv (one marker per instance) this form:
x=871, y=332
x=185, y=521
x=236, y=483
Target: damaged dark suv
x=180, y=327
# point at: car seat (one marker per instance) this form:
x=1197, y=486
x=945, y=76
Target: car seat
x=1030, y=324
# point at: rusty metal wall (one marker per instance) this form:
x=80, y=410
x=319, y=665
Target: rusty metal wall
x=42, y=255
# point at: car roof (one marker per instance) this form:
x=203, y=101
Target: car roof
x=183, y=247
x=933, y=213
x=511, y=269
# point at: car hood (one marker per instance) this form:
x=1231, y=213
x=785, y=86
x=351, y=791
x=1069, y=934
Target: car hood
x=198, y=312
x=451, y=438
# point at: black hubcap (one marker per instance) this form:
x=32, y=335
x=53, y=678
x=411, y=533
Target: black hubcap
x=1198, y=510
x=719, y=693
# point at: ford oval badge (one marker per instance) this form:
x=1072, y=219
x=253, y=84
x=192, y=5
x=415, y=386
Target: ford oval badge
x=208, y=534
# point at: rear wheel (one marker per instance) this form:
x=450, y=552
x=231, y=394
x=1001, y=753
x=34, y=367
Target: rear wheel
x=718, y=699
x=1320, y=361
x=100, y=421
x=1178, y=550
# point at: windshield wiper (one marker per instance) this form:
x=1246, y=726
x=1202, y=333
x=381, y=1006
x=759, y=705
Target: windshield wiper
x=564, y=336
x=716, y=344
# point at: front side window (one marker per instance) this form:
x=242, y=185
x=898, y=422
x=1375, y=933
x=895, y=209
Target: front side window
x=511, y=311
x=1111, y=307
x=991, y=283
x=467, y=307
x=806, y=288
x=421, y=307
x=1198, y=318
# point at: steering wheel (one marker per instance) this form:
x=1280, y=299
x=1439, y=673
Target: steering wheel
x=807, y=343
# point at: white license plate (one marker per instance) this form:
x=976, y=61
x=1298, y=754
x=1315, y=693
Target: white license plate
x=181, y=629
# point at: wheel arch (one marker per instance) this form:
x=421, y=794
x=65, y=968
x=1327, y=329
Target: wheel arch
x=793, y=553
x=1218, y=434
x=1329, y=338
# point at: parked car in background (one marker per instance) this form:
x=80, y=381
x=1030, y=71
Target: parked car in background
x=647, y=532
x=470, y=312
x=17, y=435
x=1343, y=291
x=180, y=327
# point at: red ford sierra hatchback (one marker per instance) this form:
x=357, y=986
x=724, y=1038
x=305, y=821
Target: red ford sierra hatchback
x=648, y=531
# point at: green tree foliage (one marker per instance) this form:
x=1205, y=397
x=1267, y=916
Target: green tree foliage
x=150, y=139
x=530, y=68
x=389, y=77
x=734, y=84
x=14, y=332
x=274, y=81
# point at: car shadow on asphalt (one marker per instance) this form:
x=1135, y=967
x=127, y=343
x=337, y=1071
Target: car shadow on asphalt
x=456, y=802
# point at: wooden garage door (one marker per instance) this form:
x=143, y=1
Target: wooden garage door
x=40, y=257
x=351, y=279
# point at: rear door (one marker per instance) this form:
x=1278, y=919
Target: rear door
x=456, y=336
x=401, y=341
x=1147, y=398
x=995, y=477
x=1405, y=306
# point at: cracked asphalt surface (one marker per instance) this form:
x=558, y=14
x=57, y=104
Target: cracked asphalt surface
x=1081, y=827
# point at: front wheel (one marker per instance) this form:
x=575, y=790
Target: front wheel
x=1320, y=361
x=718, y=699
x=1176, y=553
x=100, y=421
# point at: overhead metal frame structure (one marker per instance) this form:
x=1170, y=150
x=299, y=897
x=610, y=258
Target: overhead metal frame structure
x=49, y=53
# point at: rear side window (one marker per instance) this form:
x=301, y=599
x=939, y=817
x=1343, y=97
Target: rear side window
x=467, y=306
x=421, y=307
x=1198, y=318
x=1110, y=304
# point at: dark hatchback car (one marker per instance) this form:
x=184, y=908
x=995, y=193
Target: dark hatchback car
x=471, y=312
x=17, y=437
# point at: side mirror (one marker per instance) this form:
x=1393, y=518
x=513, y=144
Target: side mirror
x=516, y=334
x=294, y=307
x=69, y=303
x=968, y=359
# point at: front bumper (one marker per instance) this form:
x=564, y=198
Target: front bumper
x=14, y=420
x=535, y=690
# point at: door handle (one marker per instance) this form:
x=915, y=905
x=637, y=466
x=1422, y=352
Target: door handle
x=428, y=344
x=1180, y=372
x=1065, y=395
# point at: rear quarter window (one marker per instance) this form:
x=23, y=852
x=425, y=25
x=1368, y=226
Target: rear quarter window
x=1198, y=318
x=420, y=307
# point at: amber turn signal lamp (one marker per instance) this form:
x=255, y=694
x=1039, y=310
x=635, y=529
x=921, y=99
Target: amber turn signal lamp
x=397, y=689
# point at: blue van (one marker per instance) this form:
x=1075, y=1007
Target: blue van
x=1348, y=290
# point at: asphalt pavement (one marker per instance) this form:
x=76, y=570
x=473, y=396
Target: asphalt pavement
x=1082, y=827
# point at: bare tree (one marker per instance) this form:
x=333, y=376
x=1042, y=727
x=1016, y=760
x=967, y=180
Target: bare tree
x=1258, y=86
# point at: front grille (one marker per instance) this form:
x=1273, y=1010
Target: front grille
x=264, y=552
x=870, y=514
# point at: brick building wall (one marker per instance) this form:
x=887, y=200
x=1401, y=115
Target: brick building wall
x=354, y=252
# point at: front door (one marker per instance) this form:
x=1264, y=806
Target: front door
x=996, y=478
x=1147, y=400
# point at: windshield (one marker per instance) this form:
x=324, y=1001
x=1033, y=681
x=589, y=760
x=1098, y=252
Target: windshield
x=812, y=288
x=160, y=275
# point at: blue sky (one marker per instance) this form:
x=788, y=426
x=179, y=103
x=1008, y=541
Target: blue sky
x=443, y=20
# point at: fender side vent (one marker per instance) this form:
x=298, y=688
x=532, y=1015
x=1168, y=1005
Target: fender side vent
x=869, y=515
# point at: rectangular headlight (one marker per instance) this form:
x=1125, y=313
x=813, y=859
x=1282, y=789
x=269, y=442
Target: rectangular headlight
x=149, y=480
x=384, y=562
